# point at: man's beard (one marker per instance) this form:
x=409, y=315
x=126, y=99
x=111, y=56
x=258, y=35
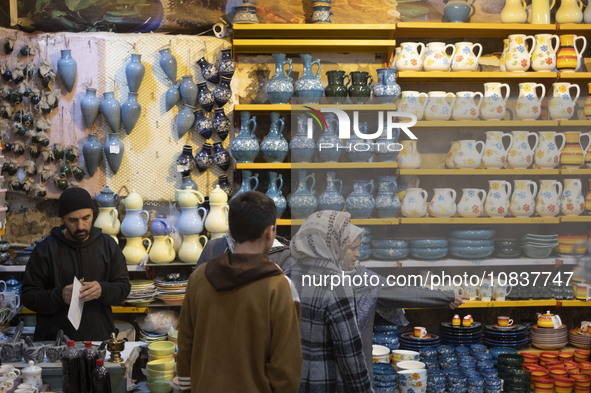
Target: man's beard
x=79, y=236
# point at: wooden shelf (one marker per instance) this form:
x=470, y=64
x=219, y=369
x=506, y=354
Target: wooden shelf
x=263, y=165
x=575, y=219
x=298, y=45
x=484, y=123
x=354, y=221
x=486, y=76
x=299, y=107
x=452, y=262
x=263, y=107
x=332, y=31
x=574, y=76
x=456, y=30
x=478, y=172
x=566, y=28
x=509, y=303
x=573, y=303
x=575, y=171
x=480, y=220
x=318, y=165
x=576, y=123
x=129, y=310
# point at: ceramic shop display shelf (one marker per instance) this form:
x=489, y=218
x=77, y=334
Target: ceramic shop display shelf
x=479, y=172
x=486, y=123
x=480, y=220
x=574, y=76
x=452, y=262
x=255, y=108
x=318, y=165
x=440, y=29
x=475, y=76
x=354, y=221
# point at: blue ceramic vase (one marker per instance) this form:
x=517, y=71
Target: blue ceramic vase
x=302, y=201
x=331, y=198
x=172, y=97
x=114, y=152
x=221, y=124
x=185, y=120
x=302, y=148
x=90, y=106
x=111, y=110
x=275, y=184
x=67, y=69
x=358, y=149
x=247, y=179
x=185, y=161
x=386, y=91
x=204, y=159
x=360, y=203
x=209, y=71
x=309, y=89
x=329, y=146
x=280, y=87
x=387, y=202
x=205, y=97
x=134, y=73
x=130, y=112
x=92, y=153
x=203, y=124
x=274, y=147
x=227, y=65
x=168, y=64
x=222, y=92
x=245, y=147
x=220, y=156
x=188, y=90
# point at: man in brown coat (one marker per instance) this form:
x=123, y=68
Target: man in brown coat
x=239, y=324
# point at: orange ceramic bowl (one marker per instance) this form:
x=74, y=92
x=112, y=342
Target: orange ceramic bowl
x=533, y=367
x=565, y=356
x=539, y=374
x=582, y=352
x=557, y=372
x=577, y=375
x=544, y=390
x=555, y=364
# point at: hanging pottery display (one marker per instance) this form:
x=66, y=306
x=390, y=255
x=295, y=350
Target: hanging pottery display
x=168, y=64
x=204, y=159
x=185, y=120
x=172, y=97
x=220, y=156
x=114, y=152
x=90, y=105
x=66, y=69
x=221, y=123
x=209, y=71
x=92, y=153
x=134, y=73
x=111, y=110
x=203, y=124
x=222, y=93
x=130, y=112
x=205, y=97
x=227, y=65
x=188, y=90
x=185, y=161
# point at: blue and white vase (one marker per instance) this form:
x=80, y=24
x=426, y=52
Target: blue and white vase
x=111, y=110
x=67, y=69
x=92, y=153
x=134, y=73
x=302, y=201
x=387, y=202
x=274, y=186
x=309, y=89
x=222, y=92
x=185, y=161
x=185, y=120
x=188, y=90
x=245, y=147
x=274, y=147
x=247, y=179
x=280, y=87
x=332, y=198
x=90, y=106
x=114, y=150
x=172, y=97
x=227, y=65
x=203, y=124
x=386, y=91
x=359, y=149
x=360, y=203
x=204, y=159
x=302, y=148
x=386, y=149
x=168, y=64
x=225, y=185
x=329, y=146
x=221, y=123
x=130, y=112
x=220, y=156
x=205, y=97
x=209, y=71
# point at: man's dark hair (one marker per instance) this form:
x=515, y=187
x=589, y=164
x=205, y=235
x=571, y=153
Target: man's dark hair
x=250, y=214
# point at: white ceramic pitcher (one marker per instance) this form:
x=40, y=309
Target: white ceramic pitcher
x=562, y=104
x=521, y=153
x=468, y=155
x=414, y=203
x=494, y=102
x=436, y=57
x=411, y=56
x=409, y=157
x=498, y=198
x=465, y=105
x=439, y=105
x=543, y=59
x=529, y=103
x=523, y=200
x=465, y=57
x=518, y=57
x=495, y=153
x=443, y=203
x=572, y=202
x=548, y=153
x=472, y=202
x=413, y=102
x=548, y=199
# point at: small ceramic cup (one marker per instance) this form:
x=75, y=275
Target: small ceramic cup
x=420, y=331
x=504, y=321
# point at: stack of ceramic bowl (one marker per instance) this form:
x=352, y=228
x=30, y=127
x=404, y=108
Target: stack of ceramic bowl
x=412, y=380
x=161, y=350
x=428, y=249
x=549, y=338
x=386, y=335
x=460, y=335
x=384, y=377
x=572, y=244
x=171, y=293
x=149, y=337
x=142, y=293
x=507, y=248
x=508, y=363
x=578, y=339
x=581, y=355
x=365, y=247
x=409, y=341
x=160, y=373
x=389, y=249
x=435, y=381
x=380, y=354
x=538, y=246
x=472, y=243
x=506, y=336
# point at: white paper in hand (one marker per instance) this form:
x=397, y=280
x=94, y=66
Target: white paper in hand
x=76, y=305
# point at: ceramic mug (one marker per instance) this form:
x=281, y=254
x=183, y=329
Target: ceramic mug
x=504, y=321
x=6, y=384
x=486, y=291
x=583, y=291
x=9, y=370
x=501, y=292
x=472, y=292
x=420, y=331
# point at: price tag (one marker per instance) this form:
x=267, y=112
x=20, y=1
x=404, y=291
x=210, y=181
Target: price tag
x=114, y=149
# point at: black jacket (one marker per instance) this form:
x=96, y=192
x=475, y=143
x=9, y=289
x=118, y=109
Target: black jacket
x=53, y=265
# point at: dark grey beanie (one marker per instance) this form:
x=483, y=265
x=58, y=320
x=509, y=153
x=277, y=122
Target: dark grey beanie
x=73, y=199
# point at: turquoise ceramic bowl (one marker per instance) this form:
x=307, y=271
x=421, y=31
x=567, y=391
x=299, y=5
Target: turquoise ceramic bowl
x=389, y=243
x=471, y=252
x=473, y=234
x=390, y=254
x=470, y=243
x=429, y=253
x=428, y=243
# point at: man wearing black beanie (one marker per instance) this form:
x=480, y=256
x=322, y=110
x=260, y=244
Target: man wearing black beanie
x=75, y=249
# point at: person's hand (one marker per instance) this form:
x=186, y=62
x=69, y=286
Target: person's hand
x=90, y=290
x=67, y=293
x=459, y=300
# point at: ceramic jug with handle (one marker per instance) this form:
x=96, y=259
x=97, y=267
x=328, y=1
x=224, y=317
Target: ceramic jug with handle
x=135, y=223
x=514, y=12
x=439, y=105
x=302, y=200
x=523, y=200
x=569, y=57
x=189, y=197
x=518, y=56
x=548, y=199
x=387, y=201
x=162, y=250
x=465, y=106
x=471, y=203
x=498, y=198
x=570, y=11
x=465, y=57
x=458, y=11
x=548, y=153
x=562, y=104
x=409, y=157
x=216, y=222
x=361, y=203
x=411, y=56
x=414, y=203
x=540, y=12
x=572, y=202
x=468, y=155
x=413, y=102
x=443, y=203
x=494, y=104
x=192, y=247
x=573, y=154
x=544, y=57
x=135, y=251
x=521, y=153
x=529, y=104
x=190, y=222
x=495, y=153
x=436, y=57
x=108, y=221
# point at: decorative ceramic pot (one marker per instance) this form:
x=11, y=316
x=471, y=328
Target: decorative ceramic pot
x=332, y=198
x=247, y=179
x=337, y=90
x=89, y=106
x=130, y=112
x=524, y=198
x=502, y=66
x=387, y=203
x=494, y=104
x=162, y=250
x=221, y=124
x=203, y=124
x=168, y=64
x=387, y=149
x=562, y=105
x=190, y=222
x=187, y=181
x=570, y=11
x=465, y=59
x=92, y=153
x=216, y=222
x=436, y=57
x=222, y=92
x=439, y=105
x=134, y=73
x=360, y=89
x=411, y=56
x=280, y=87
x=302, y=148
x=443, y=203
x=188, y=90
x=548, y=199
x=414, y=203
x=471, y=203
x=135, y=251
x=587, y=107
x=245, y=147
x=275, y=183
x=386, y=91
x=225, y=185
x=540, y=12
x=329, y=145
x=192, y=247
x=514, y=12
x=209, y=71
x=465, y=108
x=467, y=155
x=518, y=56
x=172, y=96
x=548, y=153
x=204, y=159
x=185, y=161
x=573, y=154
x=227, y=65
x=321, y=13
x=544, y=56
x=274, y=147
x=569, y=57
x=361, y=203
x=521, y=153
x=308, y=89
x=498, y=198
x=114, y=149
x=572, y=202
x=107, y=220
x=185, y=120
x=66, y=69
x=458, y=11
x=495, y=153
x=188, y=197
x=245, y=13
x=220, y=156
x=411, y=103
x=302, y=201
x=529, y=105
x=205, y=97
x=111, y=110
x=106, y=198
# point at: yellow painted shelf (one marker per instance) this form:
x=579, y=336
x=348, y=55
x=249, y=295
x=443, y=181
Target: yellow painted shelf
x=355, y=221
x=576, y=123
x=573, y=28
x=573, y=303
x=575, y=219
x=441, y=76
x=575, y=76
x=299, y=107
x=575, y=171
x=437, y=29
x=510, y=303
x=454, y=172
x=298, y=45
x=480, y=220
x=263, y=107
x=263, y=165
x=114, y=309
x=318, y=165
x=327, y=31
x=485, y=123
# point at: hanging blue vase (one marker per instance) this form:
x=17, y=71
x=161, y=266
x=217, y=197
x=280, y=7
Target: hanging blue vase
x=205, y=97
x=90, y=106
x=225, y=185
x=329, y=145
x=227, y=65
x=92, y=153
x=247, y=179
x=130, y=112
x=185, y=120
x=221, y=123
x=309, y=89
x=386, y=150
x=360, y=203
x=222, y=93
x=275, y=184
x=331, y=198
x=204, y=159
x=173, y=96
x=387, y=201
x=386, y=90
x=185, y=161
x=245, y=147
x=302, y=201
x=187, y=182
x=114, y=152
x=209, y=71
x=220, y=156
x=111, y=110
x=168, y=64
x=188, y=90
x=66, y=69
x=203, y=124
x=358, y=149
x=134, y=73
x=302, y=148
x=274, y=147
x=280, y=87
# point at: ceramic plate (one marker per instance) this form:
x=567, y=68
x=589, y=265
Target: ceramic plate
x=410, y=336
x=475, y=325
x=550, y=347
x=497, y=327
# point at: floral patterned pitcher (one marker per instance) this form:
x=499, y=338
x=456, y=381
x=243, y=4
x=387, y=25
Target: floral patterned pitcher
x=472, y=202
x=548, y=200
x=465, y=107
x=572, y=201
x=495, y=153
x=439, y=105
x=465, y=58
x=544, y=56
x=518, y=57
x=413, y=102
x=436, y=57
x=414, y=203
x=548, y=154
x=523, y=199
x=494, y=103
x=562, y=105
x=529, y=105
x=443, y=203
x=498, y=198
x=468, y=155
x=521, y=153
x=410, y=57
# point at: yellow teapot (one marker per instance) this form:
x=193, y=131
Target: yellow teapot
x=549, y=320
x=189, y=197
